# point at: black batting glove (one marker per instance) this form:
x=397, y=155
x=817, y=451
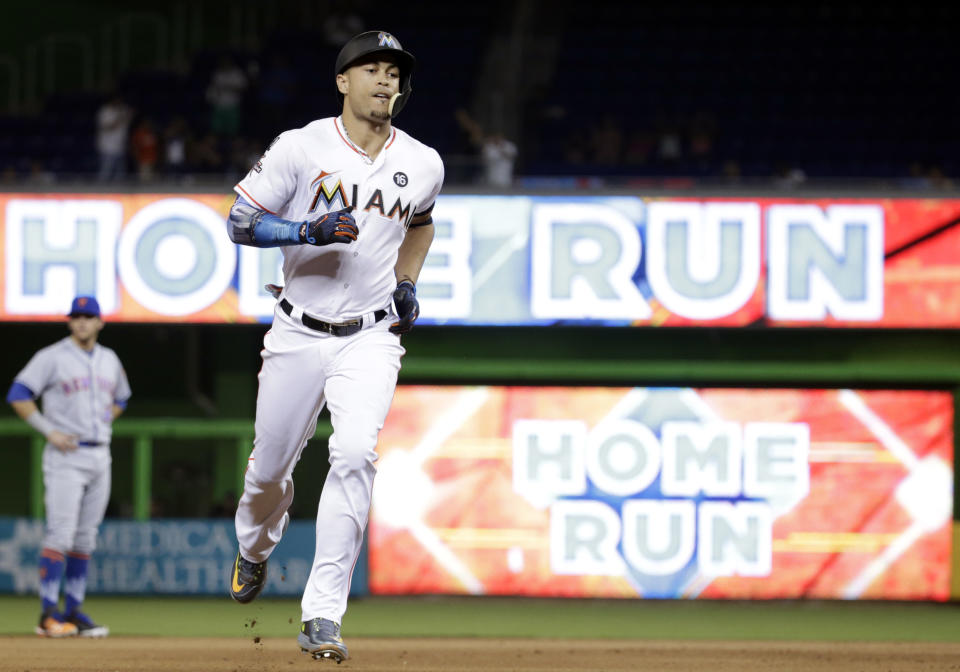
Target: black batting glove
x=405, y=300
x=333, y=227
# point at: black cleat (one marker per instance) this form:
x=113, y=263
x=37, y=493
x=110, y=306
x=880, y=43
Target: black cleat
x=247, y=579
x=321, y=639
x=86, y=626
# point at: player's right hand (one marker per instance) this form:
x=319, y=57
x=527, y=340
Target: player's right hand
x=65, y=443
x=333, y=227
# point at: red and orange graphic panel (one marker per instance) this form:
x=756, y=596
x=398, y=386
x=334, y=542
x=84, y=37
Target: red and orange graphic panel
x=664, y=493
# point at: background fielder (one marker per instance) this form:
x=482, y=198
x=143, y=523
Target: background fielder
x=349, y=199
x=83, y=388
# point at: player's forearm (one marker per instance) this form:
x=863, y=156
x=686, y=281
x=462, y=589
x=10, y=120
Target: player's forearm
x=413, y=251
x=24, y=408
x=29, y=412
x=248, y=225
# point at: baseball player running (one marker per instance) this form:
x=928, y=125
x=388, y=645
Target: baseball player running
x=83, y=388
x=349, y=198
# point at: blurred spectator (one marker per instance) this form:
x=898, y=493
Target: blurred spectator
x=497, y=153
x=175, y=137
x=730, y=171
x=606, y=141
x=156, y=509
x=937, y=178
x=701, y=140
x=917, y=177
x=787, y=176
x=499, y=156
x=113, y=122
x=669, y=142
x=575, y=149
x=341, y=23
x=145, y=149
x=922, y=177
x=763, y=118
x=39, y=174
x=225, y=94
x=639, y=148
x=204, y=154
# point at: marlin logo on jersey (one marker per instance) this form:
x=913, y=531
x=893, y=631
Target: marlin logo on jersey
x=388, y=40
x=334, y=197
x=330, y=192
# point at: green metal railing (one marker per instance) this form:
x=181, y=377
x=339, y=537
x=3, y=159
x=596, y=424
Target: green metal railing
x=144, y=433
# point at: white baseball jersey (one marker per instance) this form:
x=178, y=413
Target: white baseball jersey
x=309, y=171
x=78, y=388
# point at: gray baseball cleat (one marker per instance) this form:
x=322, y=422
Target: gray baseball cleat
x=321, y=639
x=247, y=579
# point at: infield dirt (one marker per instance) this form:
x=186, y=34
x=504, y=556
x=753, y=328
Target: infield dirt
x=148, y=654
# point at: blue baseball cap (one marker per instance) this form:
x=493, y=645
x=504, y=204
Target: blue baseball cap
x=84, y=305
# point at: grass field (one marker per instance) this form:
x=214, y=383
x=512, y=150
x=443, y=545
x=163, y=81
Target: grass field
x=516, y=617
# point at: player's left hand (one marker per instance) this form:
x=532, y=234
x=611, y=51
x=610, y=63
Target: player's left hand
x=65, y=443
x=408, y=309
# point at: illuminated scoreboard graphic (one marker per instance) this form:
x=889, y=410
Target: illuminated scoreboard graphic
x=516, y=260
x=664, y=493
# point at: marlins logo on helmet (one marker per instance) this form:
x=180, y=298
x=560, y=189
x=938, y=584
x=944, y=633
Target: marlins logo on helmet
x=388, y=40
x=373, y=42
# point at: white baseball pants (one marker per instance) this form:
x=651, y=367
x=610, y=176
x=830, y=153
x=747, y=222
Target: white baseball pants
x=355, y=376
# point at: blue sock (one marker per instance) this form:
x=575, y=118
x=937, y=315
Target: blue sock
x=51, y=569
x=75, y=586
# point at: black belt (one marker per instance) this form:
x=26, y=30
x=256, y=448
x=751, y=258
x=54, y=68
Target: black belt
x=343, y=329
x=90, y=444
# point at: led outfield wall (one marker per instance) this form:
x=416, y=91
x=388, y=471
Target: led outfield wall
x=664, y=493
x=517, y=260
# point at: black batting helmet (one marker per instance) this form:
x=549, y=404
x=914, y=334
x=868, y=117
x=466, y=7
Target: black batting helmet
x=375, y=42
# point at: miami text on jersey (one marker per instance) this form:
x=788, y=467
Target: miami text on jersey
x=334, y=197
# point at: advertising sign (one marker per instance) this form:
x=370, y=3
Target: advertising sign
x=169, y=556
